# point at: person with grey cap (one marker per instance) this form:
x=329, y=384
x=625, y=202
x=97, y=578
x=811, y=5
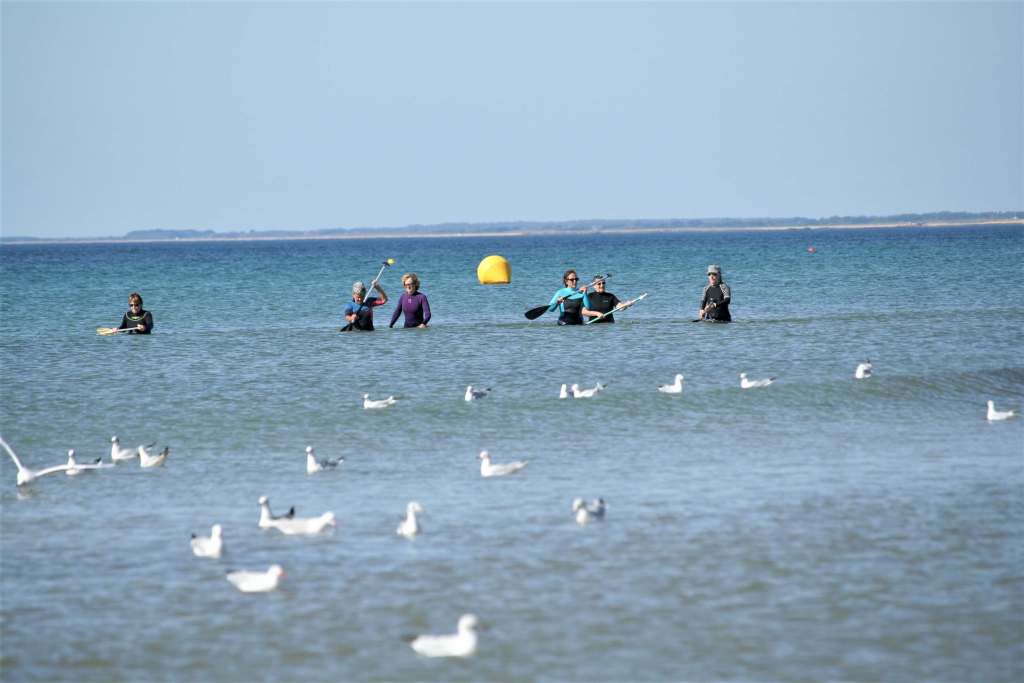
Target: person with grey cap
x=359, y=311
x=714, y=300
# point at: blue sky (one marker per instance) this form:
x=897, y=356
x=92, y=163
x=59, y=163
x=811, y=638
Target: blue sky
x=235, y=116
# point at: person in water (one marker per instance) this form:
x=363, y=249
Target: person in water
x=570, y=301
x=714, y=301
x=601, y=302
x=359, y=311
x=413, y=303
x=136, y=319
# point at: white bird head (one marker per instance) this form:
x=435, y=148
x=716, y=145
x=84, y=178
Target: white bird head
x=679, y=378
x=577, y=503
x=414, y=507
x=366, y=397
x=743, y=375
x=114, y=439
x=275, y=570
x=484, y=455
x=216, y=531
x=991, y=405
x=328, y=519
x=575, y=387
x=263, y=500
x=468, y=623
x=309, y=450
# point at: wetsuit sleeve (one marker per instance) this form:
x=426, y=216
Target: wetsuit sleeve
x=398, y=311
x=586, y=300
x=554, y=301
x=426, y=309
x=726, y=293
x=147, y=322
x=704, y=296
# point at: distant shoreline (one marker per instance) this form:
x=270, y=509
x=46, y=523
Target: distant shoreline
x=541, y=232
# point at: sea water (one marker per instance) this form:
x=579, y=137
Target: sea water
x=821, y=528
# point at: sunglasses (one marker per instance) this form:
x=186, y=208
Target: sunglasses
x=572, y=279
x=712, y=274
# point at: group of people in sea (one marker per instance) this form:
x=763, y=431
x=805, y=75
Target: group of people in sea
x=572, y=301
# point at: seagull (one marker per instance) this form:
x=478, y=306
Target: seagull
x=461, y=644
x=473, y=394
x=74, y=468
x=25, y=475
x=675, y=388
x=588, y=512
x=256, y=582
x=313, y=465
x=147, y=460
x=994, y=414
x=586, y=393
x=863, y=370
x=118, y=453
x=562, y=393
x=370, y=404
x=208, y=546
x=754, y=383
x=410, y=526
x=294, y=526
x=488, y=469
x=267, y=519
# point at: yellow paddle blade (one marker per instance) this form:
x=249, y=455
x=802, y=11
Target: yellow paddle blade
x=105, y=331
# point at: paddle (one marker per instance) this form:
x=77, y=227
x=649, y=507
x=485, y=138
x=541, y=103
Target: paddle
x=107, y=331
x=386, y=264
x=709, y=307
x=535, y=313
x=621, y=307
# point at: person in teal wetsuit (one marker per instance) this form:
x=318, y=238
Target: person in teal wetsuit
x=572, y=303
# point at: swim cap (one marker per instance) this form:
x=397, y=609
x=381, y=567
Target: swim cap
x=358, y=287
x=714, y=269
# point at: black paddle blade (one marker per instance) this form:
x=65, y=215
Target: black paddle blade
x=535, y=313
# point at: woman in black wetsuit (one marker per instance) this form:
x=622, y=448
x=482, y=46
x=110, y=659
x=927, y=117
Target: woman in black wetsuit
x=136, y=319
x=714, y=301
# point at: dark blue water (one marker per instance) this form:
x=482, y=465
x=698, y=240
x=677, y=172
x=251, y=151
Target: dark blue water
x=821, y=528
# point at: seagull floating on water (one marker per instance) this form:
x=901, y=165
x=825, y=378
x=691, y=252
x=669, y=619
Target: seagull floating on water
x=410, y=526
x=294, y=526
x=863, y=370
x=256, y=582
x=674, y=388
x=266, y=518
x=117, y=453
x=208, y=546
x=76, y=468
x=147, y=460
x=489, y=469
x=25, y=475
x=754, y=383
x=473, y=394
x=563, y=392
x=588, y=512
x=994, y=415
x=371, y=404
x=587, y=393
x=313, y=465
x=460, y=644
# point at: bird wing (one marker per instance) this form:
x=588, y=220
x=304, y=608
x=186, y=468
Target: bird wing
x=57, y=468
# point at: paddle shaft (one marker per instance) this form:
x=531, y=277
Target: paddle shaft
x=618, y=309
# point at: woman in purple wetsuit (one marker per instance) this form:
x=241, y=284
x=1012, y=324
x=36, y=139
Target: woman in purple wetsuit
x=413, y=303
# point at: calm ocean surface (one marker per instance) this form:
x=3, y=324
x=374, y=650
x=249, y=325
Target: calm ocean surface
x=819, y=529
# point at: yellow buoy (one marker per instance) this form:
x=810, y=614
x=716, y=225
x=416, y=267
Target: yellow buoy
x=494, y=270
